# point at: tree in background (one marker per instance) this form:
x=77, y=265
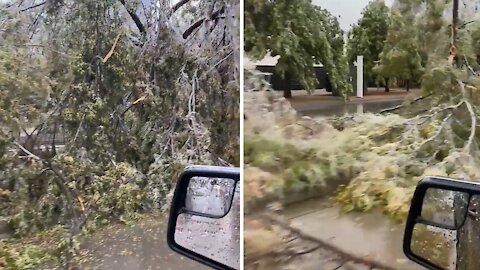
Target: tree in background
x=475, y=34
x=302, y=35
x=400, y=57
x=432, y=134
x=367, y=38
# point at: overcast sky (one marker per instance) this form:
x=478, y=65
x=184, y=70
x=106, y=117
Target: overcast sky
x=348, y=10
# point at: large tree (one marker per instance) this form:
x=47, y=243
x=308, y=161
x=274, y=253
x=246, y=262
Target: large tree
x=400, y=57
x=301, y=34
x=367, y=37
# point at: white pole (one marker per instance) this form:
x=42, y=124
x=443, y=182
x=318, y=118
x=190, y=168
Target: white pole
x=359, y=64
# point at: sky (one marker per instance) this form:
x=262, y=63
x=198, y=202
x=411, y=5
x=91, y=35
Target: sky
x=348, y=10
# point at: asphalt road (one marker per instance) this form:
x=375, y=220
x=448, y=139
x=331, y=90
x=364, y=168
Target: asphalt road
x=143, y=246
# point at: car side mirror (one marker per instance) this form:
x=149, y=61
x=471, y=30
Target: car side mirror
x=204, y=222
x=443, y=224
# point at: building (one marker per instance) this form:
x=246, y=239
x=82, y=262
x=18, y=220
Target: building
x=266, y=66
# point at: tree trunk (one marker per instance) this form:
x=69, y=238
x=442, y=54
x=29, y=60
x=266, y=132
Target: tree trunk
x=387, y=86
x=407, y=84
x=455, y=21
x=455, y=29
x=287, y=91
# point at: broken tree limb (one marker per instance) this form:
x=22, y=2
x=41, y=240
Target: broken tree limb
x=178, y=5
x=345, y=256
x=198, y=23
x=473, y=127
x=439, y=131
x=402, y=105
x=135, y=18
x=112, y=50
x=60, y=180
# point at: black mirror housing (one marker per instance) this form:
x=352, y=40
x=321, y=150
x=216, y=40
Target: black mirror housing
x=415, y=212
x=178, y=207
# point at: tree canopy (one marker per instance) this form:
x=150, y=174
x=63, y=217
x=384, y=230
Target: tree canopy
x=400, y=57
x=377, y=159
x=102, y=105
x=367, y=37
x=302, y=35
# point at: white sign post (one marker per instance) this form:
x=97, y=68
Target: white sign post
x=359, y=65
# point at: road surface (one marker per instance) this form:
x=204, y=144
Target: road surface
x=362, y=234
x=143, y=246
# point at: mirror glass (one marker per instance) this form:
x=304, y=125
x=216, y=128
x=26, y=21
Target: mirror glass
x=215, y=238
x=445, y=207
x=436, y=245
x=209, y=196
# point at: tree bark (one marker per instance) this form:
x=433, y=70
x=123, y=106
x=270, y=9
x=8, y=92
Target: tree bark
x=455, y=23
x=135, y=19
x=215, y=16
x=387, y=87
x=179, y=5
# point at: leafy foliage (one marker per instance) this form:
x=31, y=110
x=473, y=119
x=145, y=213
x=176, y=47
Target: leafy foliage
x=387, y=153
x=400, y=57
x=302, y=35
x=367, y=37
x=100, y=108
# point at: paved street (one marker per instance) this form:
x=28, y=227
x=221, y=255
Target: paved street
x=143, y=246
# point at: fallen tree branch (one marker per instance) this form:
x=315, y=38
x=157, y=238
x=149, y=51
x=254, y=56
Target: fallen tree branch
x=322, y=244
x=140, y=99
x=293, y=253
x=402, y=105
x=219, y=62
x=433, y=137
x=29, y=154
x=198, y=23
x=60, y=180
x=112, y=50
x=473, y=127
